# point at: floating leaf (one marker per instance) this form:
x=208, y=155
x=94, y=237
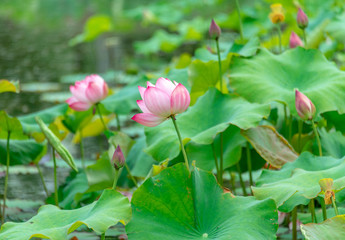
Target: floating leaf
x=333, y=143
x=332, y=228
x=212, y=114
x=9, y=86
x=193, y=206
x=298, y=182
x=271, y=146
x=56, y=224
x=56, y=144
x=267, y=77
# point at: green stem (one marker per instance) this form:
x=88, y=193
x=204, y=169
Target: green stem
x=324, y=212
x=215, y=161
x=116, y=177
x=6, y=176
x=219, y=66
x=100, y=116
x=103, y=236
x=312, y=210
x=241, y=180
x=335, y=206
x=221, y=167
x=56, y=196
x=233, y=182
x=42, y=179
x=317, y=137
x=181, y=143
x=294, y=223
x=300, y=127
x=280, y=38
x=130, y=175
x=290, y=127
x=249, y=164
x=118, y=122
x=239, y=19
x=286, y=121
x=305, y=38
x=82, y=149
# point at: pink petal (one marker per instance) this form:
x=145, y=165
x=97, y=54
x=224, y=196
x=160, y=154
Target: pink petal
x=166, y=85
x=142, y=91
x=142, y=106
x=77, y=105
x=180, y=99
x=157, y=101
x=78, y=91
x=148, y=119
x=94, y=92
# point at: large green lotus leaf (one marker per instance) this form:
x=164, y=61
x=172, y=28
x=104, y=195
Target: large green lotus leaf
x=298, y=182
x=101, y=174
x=271, y=146
x=336, y=28
x=203, y=75
x=333, y=143
x=10, y=125
x=212, y=114
x=56, y=224
x=267, y=77
x=305, y=217
x=332, y=228
x=47, y=115
x=21, y=151
x=180, y=205
x=334, y=119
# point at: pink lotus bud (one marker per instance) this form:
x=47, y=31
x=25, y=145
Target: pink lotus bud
x=305, y=108
x=214, y=30
x=87, y=92
x=295, y=40
x=302, y=19
x=161, y=101
x=118, y=159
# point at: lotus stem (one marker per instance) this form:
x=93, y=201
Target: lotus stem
x=116, y=177
x=249, y=164
x=324, y=212
x=239, y=19
x=300, y=127
x=42, y=179
x=335, y=206
x=241, y=180
x=130, y=175
x=103, y=236
x=280, y=38
x=221, y=167
x=6, y=176
x=215, y=161
x=305, y=38
x=317, y=137
x=219, y=66
x=118, y=122
x=294, y=223
x=100, y=116
x=312, y=210
x=181, y=143
x=82, y=149
x=56, y=196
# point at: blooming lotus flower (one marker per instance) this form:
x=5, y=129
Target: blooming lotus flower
x=302, y=19
x=161, y=101
x=118, y=159
x=87, y=92
x=277, y=13
x=305, y=108
x=295, y=40
x=214, y=30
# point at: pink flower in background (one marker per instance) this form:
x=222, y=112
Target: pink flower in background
x=302, y=19
x=87, y=92
x=214, y=30
x=295, y=40
x=161, y=101
x=305, y=108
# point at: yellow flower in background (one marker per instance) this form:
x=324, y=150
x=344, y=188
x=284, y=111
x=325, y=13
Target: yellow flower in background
x=277, y=13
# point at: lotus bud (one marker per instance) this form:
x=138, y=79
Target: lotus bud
x=118, y=158
x=302, y=19
x=326, y=185
x=214, y=30
x=277, y=13
x=305, y=108
x=295, y=40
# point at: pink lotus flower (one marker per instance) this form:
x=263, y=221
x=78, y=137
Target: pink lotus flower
x=214, y=30
x=295, y=40
x=87, y=92
x=118, y=158
x=305, y=108
x=161, y=102
x=302, y=19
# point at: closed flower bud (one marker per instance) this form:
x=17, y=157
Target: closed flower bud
x=214, y=30
x=118, y=158
x=295, y=40
x=305, y=108
x=302, y=19
x=277, y=13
